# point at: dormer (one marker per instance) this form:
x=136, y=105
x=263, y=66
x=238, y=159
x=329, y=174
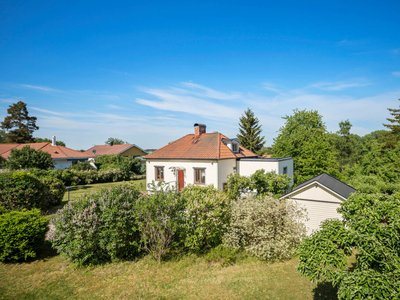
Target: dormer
x=233, y=144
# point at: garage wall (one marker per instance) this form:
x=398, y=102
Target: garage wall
x=249, y=167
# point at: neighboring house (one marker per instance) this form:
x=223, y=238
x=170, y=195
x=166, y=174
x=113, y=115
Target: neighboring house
x=123, y=150
x=207, y=159
x=62, y=157
x=321, y=196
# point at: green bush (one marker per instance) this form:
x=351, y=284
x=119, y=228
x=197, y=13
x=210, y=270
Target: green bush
x=28, y=157
x=22, y=190
x=204, y=218
x=3, y=210
x=370, y=227
x=21, y=234
x=55, y=190
x=99, y=227
x=264, y=183
x=158, y=221
x=266, y=227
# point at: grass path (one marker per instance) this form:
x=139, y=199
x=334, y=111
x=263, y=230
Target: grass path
x=188, y=278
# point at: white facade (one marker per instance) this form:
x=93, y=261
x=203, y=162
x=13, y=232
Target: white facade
x=216, y=171
x=320, y=202
x=61, y=164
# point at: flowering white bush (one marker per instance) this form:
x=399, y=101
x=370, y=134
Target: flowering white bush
x=265, y=227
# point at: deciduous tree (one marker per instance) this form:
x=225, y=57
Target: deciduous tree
x=19, y=126
x=304, y=137
x=250, y=132
x=115, y=141
x=27, y=158
x=46, y=140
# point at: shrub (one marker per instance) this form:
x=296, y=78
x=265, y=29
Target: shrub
x=158, y=221
x=205, y=217
x=265, y=227
x=28, y=157
x=370, y=226
x=21, y=190
x=3, y=210
x=264, y=183
x=21, y=234
x=98, y=227
x=55, y=190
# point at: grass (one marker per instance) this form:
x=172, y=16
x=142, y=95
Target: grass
x=190, y=277
x=78, y=191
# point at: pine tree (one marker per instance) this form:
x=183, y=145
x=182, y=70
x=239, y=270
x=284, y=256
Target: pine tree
x=392, y=137
x=18, y=125
x=250, y=132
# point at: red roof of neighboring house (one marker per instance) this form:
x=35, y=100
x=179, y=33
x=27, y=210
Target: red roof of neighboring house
x=59, y=152
x=114, y=149
x=204, y=146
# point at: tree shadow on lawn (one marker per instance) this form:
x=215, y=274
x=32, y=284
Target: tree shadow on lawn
x=325, y=291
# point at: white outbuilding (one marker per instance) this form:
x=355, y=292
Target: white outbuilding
x=321, y=196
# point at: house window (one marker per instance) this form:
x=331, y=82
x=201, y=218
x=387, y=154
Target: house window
x=235, y=147
x=159, y=173
x=200, y=176
x=284, y=170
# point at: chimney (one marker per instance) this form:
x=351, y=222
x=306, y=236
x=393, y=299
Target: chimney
x=111, y=143
x=199, y=129
x=53, y=140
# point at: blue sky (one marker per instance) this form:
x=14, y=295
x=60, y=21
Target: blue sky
x=147, y=71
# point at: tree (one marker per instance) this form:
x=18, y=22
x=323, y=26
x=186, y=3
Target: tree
x=27, y=158
x=46, y=140
x=2, y=136
x=392, y=137
x=348, y=145
x=305, y=139
x=19, y=126
x=370, y=227
x=250, y=131
x=115, y=141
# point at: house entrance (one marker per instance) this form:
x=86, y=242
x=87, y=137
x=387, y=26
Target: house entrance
x=181, y=180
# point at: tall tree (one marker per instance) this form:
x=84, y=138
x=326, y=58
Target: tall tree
x=2, y=136
x=392, y=137
x=304, y=137
x=348, y=145
x=46, y=140
x=27, y=158
x=250, y=132
x=19, y=126
x=115, y=141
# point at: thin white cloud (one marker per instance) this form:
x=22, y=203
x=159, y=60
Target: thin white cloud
x=40, y=88
x=270, y=87
x=208, y=92
x=397, y=74
x=47, y=111
x=114, y=106
x=338, y=86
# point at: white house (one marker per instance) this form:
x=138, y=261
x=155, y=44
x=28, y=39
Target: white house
x=62, y=157
x=321, y=196
x=207, y=159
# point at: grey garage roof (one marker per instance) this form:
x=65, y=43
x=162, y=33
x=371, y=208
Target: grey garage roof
x=330, y=182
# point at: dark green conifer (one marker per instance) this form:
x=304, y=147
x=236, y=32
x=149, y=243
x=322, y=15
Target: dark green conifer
x=250, y=132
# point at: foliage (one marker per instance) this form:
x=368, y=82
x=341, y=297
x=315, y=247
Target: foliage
x=82, y=166
x=27, y=158
x=99, y=227
x=204, y=220
x=226, y=256
x=3, y=210
x=22, y=190
x=392, y=137
x=304, y=137
x=372, y=184
x=19, y=126
x=250, y=132
x=348, y=146
x=115, y=141
x=158, y=221
x=54, y=189
x=21, y=234
x=46, y=140
x=2, y=136
x=126, y=164
x=264, y=183
x=266, y=227
x=370, y=226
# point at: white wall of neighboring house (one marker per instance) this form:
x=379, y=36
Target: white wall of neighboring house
x=225, y=167
x=320, y=203
x=61, y=164
x=170, y=177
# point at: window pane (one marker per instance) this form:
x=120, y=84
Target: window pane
x=203, y=176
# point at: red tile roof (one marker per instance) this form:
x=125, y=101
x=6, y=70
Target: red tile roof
x=114, y=149
x=59, y=152
x=204, y=146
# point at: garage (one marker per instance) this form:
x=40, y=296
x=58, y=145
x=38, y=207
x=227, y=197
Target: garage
x=321, y=196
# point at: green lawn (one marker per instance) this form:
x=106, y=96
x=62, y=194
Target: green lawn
x=190, y=277
x=78, y=191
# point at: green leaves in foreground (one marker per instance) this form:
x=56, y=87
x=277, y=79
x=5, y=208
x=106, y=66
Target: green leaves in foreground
x=370, y=229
